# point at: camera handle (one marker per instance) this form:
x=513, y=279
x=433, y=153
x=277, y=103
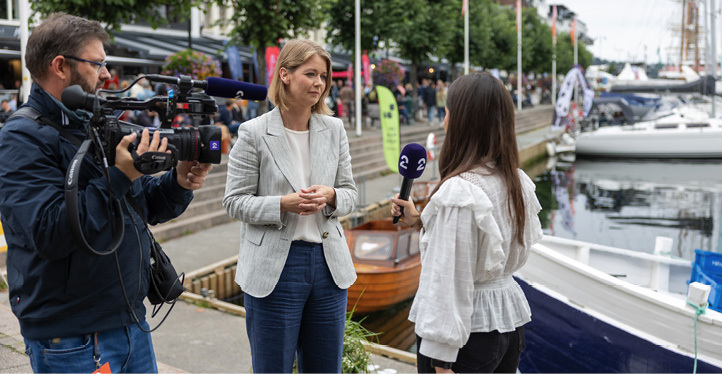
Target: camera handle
x=154, y=162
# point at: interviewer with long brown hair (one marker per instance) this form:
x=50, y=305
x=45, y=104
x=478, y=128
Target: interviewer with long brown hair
x=477, y=229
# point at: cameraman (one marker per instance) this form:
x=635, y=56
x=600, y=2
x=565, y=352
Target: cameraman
x=70, y=305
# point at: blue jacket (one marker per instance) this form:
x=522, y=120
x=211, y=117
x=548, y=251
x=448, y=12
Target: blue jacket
x=56, y=290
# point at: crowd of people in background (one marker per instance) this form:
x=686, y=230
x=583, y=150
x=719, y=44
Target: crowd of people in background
x=429, y=106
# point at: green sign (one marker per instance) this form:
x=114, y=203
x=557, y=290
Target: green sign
x=389, y=113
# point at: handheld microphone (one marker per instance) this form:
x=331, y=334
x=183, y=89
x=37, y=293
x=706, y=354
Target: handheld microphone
x=75, y=98
x=220, y=87
x=412, y=163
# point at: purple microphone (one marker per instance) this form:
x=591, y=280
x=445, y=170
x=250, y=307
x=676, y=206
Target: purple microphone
x=412, y=163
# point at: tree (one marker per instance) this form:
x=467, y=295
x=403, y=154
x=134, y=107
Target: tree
x=503, y=51
x=536, y=44
x=262, y=24
x=377, y=21
x=565, y=54
x=115, y=12
x=422, y=33
x=481, y=30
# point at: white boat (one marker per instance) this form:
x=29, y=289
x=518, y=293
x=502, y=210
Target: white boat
x=674, y=136
x=605, y=309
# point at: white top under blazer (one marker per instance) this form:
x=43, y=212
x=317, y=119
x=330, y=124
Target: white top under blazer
x=260, y=171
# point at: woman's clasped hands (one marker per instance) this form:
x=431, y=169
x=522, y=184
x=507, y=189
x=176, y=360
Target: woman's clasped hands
x=309, y=201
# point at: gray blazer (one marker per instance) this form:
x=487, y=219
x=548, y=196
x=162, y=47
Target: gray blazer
x=260, y=172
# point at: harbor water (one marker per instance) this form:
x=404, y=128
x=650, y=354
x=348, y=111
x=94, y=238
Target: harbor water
x=628, y=203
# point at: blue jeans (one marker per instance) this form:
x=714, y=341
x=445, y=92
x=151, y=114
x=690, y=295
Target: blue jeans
x=233, y=128
x=126, y=349
x=430, y=113
x=304, y=317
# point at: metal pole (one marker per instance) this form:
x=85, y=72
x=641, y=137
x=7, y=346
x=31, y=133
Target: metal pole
x=357, y=67
x=576, y=61
x=713, y=53
x=518, y=58
x=554, y=72
x=24, y=15
x=466, y=37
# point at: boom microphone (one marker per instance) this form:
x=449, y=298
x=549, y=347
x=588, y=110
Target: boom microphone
x=412, y=163
x=240, y=90
x=220, y=87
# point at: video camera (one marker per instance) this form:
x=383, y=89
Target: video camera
x=202, y=143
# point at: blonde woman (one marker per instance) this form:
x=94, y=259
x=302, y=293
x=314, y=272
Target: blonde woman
x=289, y=179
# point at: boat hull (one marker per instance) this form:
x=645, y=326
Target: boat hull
x=377, y=288
x=651, y=143
x=591, y=321
x=563, y=339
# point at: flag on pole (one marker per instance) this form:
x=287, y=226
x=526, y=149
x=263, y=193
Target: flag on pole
x=554, y=24
x=518, y=14
x=574, y=28
x=464, y=6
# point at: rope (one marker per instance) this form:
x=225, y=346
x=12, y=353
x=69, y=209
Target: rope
x=698, y=310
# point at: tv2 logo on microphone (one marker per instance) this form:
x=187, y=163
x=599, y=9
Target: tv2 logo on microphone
x=404, y=162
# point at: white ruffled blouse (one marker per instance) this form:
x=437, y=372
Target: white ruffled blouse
x=468, y=256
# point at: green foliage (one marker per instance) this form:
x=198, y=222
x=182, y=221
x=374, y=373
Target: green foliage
x=260, y=23
x=388, y=74
x=423, y=31
x=565, y=54
x=115, y=12
x=188, y=62
x=481, y=31
x=377, y=22
x=536, y=43
x=355, y=358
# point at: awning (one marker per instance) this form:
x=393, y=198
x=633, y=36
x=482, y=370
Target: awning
x=159, y=46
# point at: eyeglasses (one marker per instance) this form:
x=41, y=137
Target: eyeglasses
x=100, y=65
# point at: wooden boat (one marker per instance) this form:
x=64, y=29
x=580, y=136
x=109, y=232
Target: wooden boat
x=603, y=309
x=387, y=262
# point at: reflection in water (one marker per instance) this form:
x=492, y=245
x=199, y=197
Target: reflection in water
x=627, y=204
x=392, y=326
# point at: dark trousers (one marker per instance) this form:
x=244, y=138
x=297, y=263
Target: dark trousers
x=484, y=352
x=303, y=317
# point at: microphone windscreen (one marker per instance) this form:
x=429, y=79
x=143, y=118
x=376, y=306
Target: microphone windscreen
x=240, y=90
x=412, y=161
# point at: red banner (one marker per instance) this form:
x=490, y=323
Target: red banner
x=574, y=28
x=271, y=58
x=366, y=66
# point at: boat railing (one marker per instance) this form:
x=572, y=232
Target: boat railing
x=658, y=272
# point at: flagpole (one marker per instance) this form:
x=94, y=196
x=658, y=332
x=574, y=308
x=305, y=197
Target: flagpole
x=24, y=15
x=554, y=57
x=518, y=55
x=466, y=36
x=576, y=57
x=713, y=54
x=357, y=67
x=554, y=74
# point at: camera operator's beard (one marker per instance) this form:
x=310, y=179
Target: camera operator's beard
x=77, y=78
